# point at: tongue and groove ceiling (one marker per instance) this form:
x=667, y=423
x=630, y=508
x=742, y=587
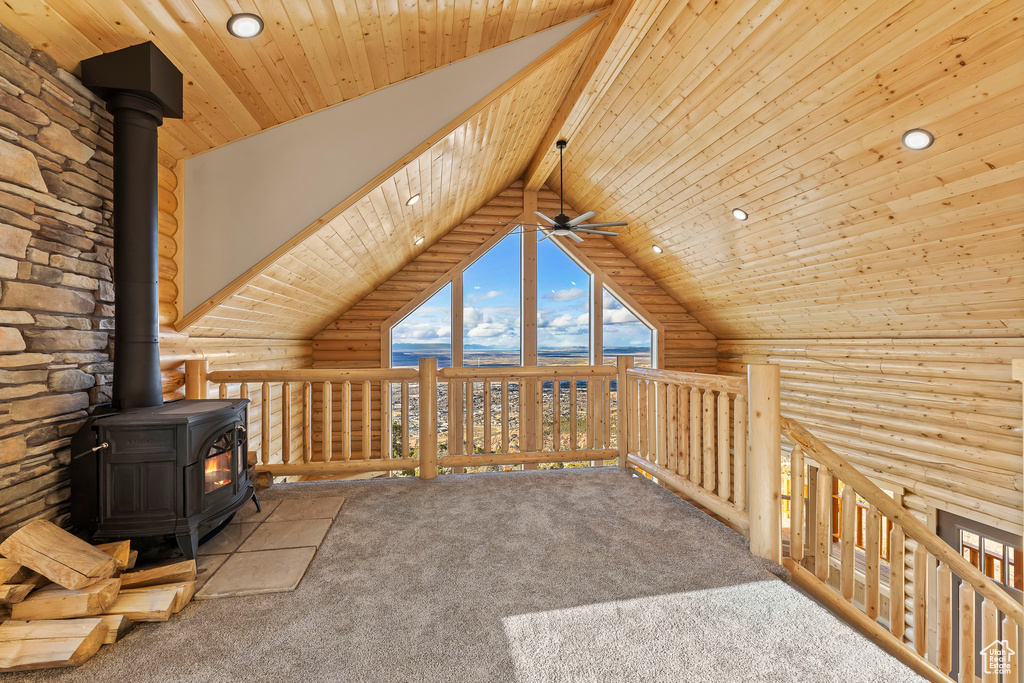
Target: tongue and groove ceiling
x=676, y=112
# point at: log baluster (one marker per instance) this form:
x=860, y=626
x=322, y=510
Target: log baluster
x=683, y=431
x=504, y=415
x=872, y=566
x=847, y=540
x=556, y=416
x=307, y=422
x=944, y=606
x=265, y=407
x=897, y=586
x=671, y=391
x=606, y=411
x=921, y=599
x=823, y=532
x=990, y=634
x=573, y=416
x=404, y=419
x=1012, y=675
x=660, y=423
x=967, y=648
x=796, y=503
x=222, y=390
x=469, y=421
x=243, y=392
x=642, y=420
x=327, y=421
x=739, y=431
x=366, y=428
x=634, y=402
x=487, y=417
x=346, y=420
x=653, y=424
x=286, y=422
x=724, y=461
x=708, y=431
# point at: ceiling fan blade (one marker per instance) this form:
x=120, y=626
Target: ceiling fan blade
x=546, y=235
x=549, y=220
x=620, y=224
x=574, y=237
x=583, y=217
x=596, y=232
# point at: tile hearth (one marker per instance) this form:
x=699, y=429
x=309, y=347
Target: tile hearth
x=267, y=551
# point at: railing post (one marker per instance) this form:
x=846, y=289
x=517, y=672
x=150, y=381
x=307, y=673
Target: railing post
x=622, y=417
x=195, y=378
x=428, y=418
x=764, y=487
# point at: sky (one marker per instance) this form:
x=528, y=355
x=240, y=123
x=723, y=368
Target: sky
x=491, y=316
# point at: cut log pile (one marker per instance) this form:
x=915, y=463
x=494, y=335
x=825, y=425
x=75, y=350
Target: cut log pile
x=61, y=598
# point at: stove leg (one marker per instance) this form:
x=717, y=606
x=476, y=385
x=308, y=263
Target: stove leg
x=256, y=501
x=189, y=544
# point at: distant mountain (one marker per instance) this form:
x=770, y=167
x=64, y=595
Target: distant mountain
x=406, y=347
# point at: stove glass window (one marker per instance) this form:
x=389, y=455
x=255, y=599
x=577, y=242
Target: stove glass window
x=218, y=463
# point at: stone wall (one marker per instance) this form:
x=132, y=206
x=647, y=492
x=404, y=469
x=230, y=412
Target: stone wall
x=56, y=292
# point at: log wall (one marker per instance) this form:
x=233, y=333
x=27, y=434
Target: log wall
x=939, y=417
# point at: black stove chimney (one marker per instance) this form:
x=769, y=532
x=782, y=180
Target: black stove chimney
x=141, y=87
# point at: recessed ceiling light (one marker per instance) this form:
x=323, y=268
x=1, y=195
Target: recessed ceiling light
x=245, y=25
x=739, y=214
x=657, y=249
x=418, y=241
x=918, y=138
x=413, y=199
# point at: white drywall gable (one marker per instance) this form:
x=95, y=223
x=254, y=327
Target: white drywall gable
x=246, y=199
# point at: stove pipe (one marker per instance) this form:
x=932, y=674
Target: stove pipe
x=141, y=87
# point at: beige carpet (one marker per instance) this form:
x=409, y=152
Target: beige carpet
x=572, y=575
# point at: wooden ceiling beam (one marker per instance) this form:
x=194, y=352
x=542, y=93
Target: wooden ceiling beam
x=626, y=22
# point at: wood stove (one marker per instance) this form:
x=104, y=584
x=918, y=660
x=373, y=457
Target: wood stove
x=140, y=468
x=178, y=469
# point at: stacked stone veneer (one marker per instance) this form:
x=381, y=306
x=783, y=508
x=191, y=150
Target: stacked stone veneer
x=56, y=292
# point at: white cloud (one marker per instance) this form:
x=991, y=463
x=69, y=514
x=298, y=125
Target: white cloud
x=565, y=320
x=488, y=330
x=490, y=295
x=566, y=294
x=618, y=315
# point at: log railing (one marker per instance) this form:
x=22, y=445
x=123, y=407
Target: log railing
x=689, y=431
x=528, y=415
x=904, y=630
x=327, y=421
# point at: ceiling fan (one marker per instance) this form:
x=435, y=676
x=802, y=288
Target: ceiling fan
x=562, y=225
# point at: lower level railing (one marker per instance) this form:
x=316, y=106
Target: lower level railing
x=903, y=629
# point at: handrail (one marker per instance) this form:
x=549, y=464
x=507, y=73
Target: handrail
x=733, y=385
x=529, y=372
x=898, y=514
x=317, y=375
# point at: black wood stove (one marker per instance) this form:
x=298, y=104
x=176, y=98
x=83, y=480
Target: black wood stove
x=140, y=468
x=178, y=469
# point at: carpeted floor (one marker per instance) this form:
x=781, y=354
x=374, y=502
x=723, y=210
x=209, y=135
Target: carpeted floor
x=571, y=575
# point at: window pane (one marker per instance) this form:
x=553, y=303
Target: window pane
x=624, y=334
x=491, y=289
x=425, y=332
x=563, y=307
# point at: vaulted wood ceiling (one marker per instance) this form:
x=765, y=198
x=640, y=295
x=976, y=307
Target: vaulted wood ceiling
x=680, y=111
x=311, y=55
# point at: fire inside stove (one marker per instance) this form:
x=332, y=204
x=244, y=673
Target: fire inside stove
x=218, y=463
